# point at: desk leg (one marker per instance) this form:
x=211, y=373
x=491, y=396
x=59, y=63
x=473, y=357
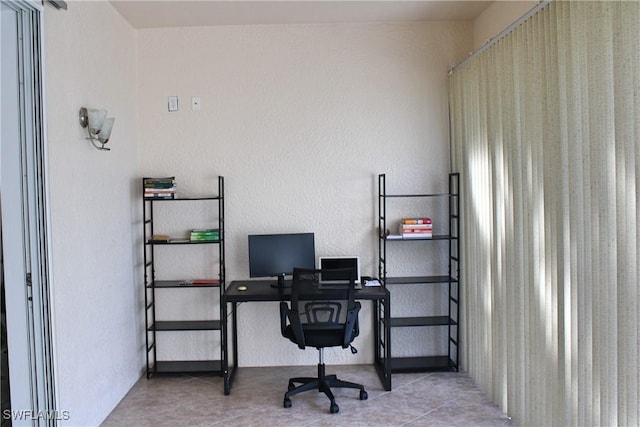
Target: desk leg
x=234, y=317
x=225, y=350
x=387, y=340
x=229, y=371
x=377, y=359
x=234, y=341
x=382, y=338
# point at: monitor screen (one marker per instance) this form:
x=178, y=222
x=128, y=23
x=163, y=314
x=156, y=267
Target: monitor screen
x=342, y=265
x=273, y=255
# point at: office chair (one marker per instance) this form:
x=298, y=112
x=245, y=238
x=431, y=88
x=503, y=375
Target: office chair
x=320, y=318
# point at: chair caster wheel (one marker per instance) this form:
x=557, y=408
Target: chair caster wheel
x=363, y=395
x=287, y=402
x=334, y=408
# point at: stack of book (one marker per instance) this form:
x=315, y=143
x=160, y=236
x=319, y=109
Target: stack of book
x=160, y=188
x=416, y=228
x=205, y=235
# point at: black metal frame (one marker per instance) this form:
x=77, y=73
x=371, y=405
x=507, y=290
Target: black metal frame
x=151, y=284
x=450, y=361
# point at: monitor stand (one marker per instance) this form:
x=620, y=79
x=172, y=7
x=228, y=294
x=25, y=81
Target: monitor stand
x=281, y=284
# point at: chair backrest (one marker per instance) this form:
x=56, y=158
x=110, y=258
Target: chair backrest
x=328, y=310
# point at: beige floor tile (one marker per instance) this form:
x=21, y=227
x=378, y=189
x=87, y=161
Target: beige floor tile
x=417, y=399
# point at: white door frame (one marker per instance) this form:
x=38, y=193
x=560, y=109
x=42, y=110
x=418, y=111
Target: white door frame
x=25, y=218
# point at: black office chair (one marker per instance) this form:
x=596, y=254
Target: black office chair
x=320, y=318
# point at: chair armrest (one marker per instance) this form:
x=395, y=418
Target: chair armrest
x=284, y=313
x=352, y=327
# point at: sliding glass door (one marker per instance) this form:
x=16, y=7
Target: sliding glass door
x=25, y=275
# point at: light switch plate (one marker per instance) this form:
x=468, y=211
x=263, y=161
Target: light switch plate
x=173, y=103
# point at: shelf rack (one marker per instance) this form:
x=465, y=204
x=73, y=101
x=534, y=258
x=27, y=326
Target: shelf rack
x=154, y=285
x=449, y=361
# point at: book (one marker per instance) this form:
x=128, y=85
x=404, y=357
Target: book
x=416, y=221
x=159, y=195
x=159, y=188
x=408, y=230
x=416, y=226
x=159, y=184
x=205, y=234
x=204, y=239
x=416, y=231
x=417, y=236
x=205, y=231
x=160, y=238
x=159, y=181
x=412, y=221
x=205, y=281
x=200, y=282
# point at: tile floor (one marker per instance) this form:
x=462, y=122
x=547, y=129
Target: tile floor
x=423, y=399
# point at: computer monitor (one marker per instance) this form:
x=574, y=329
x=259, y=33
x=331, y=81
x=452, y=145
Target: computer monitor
x=276, y=255
x=342, y=265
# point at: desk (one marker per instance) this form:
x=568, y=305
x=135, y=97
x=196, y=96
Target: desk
x=261, y=290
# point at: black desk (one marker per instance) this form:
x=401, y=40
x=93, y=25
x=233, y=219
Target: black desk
x=261, y=290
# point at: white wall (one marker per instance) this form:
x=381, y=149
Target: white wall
x=90, y=61
x=300, y=119
x=497, y=17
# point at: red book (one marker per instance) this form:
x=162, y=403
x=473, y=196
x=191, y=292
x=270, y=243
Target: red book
x=205, y=281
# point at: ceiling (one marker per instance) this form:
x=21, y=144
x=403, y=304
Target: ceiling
x=184, y=13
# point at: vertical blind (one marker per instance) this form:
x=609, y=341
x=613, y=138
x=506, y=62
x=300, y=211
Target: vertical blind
x=545, y=128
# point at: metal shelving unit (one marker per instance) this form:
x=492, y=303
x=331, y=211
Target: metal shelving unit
x=451, y=280
x=153, y=285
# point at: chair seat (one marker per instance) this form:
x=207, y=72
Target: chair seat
x=318, y=338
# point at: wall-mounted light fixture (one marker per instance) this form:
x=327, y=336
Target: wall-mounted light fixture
x=98, y=126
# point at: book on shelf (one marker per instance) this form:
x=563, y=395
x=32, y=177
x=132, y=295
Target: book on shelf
x=416, y=228
x=205, y=281
x=159, y=182
x=417, y=235
x=160, y=238
x=159, y=188
x=416, y=221
x=200, y=282
x=151, y=193
x=205, y=234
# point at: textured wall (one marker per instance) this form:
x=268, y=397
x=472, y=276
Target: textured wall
x=299, y=119
x=90, y=61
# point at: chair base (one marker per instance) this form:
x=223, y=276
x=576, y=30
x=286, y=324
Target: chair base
x=323, y=383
